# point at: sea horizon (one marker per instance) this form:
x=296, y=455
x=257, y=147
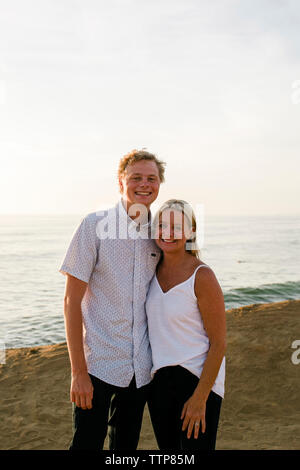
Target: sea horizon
x=254, y=263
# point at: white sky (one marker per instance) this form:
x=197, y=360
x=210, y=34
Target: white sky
x=209, y=86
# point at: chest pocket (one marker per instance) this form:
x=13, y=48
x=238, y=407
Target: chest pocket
x=152, y=260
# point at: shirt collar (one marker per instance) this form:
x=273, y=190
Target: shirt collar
x=124, y=214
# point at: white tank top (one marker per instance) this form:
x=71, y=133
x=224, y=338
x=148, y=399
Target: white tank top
x=176, y=331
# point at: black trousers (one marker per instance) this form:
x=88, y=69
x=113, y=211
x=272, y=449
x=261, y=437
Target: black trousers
x=170, y=388
x=114, y=409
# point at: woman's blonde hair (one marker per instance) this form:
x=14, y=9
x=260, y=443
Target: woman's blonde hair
x=187, y=210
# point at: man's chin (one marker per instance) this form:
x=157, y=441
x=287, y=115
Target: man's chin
x=145, y=200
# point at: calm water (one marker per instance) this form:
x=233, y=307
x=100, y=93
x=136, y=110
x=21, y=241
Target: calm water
x=256, y=260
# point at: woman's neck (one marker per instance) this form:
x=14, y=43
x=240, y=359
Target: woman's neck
x=170, y=260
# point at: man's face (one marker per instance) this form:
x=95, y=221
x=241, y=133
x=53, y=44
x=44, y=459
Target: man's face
x=140, y=184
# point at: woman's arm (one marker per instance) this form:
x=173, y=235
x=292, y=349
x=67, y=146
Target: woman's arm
x=81, y=391
x=211, y=305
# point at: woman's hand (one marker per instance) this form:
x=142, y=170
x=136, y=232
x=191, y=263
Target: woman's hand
x=193, y=413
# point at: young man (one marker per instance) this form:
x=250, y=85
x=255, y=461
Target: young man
x=109, y=265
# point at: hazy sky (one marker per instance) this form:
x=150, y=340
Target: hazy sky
x=211, y=86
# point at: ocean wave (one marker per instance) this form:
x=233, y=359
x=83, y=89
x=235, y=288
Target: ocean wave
x=265, y=293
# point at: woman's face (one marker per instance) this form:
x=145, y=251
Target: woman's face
x=173, y=231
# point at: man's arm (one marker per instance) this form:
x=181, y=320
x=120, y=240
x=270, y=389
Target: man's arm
x=81, y=391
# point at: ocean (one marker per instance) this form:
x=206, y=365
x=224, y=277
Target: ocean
x=256, y=260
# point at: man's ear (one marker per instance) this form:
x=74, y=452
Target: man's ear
x=120, y=184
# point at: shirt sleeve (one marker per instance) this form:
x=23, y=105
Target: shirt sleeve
x=81, y=256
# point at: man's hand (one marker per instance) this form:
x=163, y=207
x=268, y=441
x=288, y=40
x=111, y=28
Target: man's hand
x=81, y=392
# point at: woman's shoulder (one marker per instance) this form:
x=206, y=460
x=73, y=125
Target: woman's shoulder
x=205, y=279
x=203, y=273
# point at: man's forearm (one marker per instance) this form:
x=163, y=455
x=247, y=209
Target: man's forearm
x=73, y=326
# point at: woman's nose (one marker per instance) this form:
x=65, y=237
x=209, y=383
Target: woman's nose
x=168, y=232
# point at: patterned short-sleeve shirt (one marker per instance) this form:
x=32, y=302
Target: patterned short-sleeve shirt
x=118, y=264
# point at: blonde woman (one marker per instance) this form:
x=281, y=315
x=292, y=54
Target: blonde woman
x=186, y=322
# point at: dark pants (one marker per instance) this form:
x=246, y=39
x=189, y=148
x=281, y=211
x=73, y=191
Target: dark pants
x=114, y=409
x=170, y=388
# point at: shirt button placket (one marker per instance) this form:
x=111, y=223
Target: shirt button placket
x=137, y=264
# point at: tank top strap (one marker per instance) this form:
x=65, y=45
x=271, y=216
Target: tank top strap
x=200, y=266
x=194, y=275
